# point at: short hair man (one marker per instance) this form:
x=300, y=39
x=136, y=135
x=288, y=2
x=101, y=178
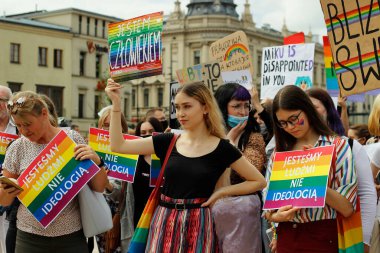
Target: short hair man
x=159, y=114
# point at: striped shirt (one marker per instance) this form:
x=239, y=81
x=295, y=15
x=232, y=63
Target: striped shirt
x=344, y=181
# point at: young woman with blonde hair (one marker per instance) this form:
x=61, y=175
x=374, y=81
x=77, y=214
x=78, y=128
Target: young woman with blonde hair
x=183, y=221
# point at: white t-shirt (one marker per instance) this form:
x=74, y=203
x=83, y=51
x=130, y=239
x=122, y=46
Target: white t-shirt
x=373, y=151
x=366, y=189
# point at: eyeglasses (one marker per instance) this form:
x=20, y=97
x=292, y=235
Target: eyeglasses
x=240, y=107
x=292, y=120
x=18, y=103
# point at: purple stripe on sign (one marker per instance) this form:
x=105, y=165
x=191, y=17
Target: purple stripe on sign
x=318, y=202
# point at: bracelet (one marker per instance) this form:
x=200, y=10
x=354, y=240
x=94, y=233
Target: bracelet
x=101, y=164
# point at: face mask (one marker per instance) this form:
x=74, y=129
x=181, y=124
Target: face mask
x=146, y=136
x=233, y=121
x=263, y=128
x=164, y=124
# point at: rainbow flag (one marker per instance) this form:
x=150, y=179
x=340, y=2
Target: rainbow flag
x=155, y=167
x=299, y=178
x=120, y=166
x=135, y=47
x=331, y=80
x=53, y=179
x=5, y=139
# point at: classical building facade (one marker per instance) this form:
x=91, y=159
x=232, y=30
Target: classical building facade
x=187, y=38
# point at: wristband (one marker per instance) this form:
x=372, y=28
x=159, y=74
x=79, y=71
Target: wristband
x=101, y=164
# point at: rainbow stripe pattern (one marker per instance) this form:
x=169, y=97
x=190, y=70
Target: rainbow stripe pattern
x=135, y=47
x=362, y=14
x=353, y=16
x=53, y=179
x=350, y=234
x=299, y=178
x=120, y=166
x=237, y=48
x=331, y=80
x=155, y=168
x=5, y=139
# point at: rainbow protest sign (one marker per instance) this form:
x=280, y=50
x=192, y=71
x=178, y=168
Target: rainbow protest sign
x=155, y=167
x=331, y=80
x=121, y=166
x=53, y=179
x=135, y=47
x=5, y=139
x=299, y=178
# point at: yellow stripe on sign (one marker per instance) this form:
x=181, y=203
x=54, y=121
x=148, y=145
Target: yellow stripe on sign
x=279, y=165
x=293, y=174
x=33, y=193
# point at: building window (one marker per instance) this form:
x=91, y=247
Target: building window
x=160, y=96
x=98, y=65
x=15, y=53
x=104, y=29
x=80, y=24
x=81, y=106
x=146, y=97
x=82, y=59
x=55, y=94
x=134, y=98
x=42, y=56
x=97, y=106
x=315, y=75
x=15, y=87
x=88, y=25
x=197, y=57
x=58, y=58
x=96, y=27
x=259, y=62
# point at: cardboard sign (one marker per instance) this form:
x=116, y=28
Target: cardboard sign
x=135, y=47
x=173, y=123
x=353, y=28
x=208, y=73
x=286, y=65
x=53, y=179
x=242, y=77
x=232, y=52
x=5, y=139
x=299, y=178
x=120, y=166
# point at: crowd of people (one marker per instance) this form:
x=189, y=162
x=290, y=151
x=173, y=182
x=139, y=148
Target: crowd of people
x=216, y=178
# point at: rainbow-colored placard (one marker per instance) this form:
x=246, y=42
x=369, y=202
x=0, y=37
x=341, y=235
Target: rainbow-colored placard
x=299, y=178
x=53, y=179
x=331, y=80
x=120, y=166
x=5, y=139
x=135, y=47
x=155, y=167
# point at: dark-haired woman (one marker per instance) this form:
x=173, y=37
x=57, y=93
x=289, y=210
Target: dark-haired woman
x=237, y=218
x=298, y=126
x=366, y=191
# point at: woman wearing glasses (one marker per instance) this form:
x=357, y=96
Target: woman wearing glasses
x=33, y=120
x=298, y=126
x=237, y=218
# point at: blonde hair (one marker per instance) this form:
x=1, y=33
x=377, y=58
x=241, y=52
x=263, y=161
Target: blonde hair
x=106, y=112
x=214, y=120
x=28, y=102
x=374, y=118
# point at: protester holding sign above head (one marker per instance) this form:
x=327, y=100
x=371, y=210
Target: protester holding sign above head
x=237, y=218
x=297, y=126
x=64, y=234
x=366, y=190
x=183, y=222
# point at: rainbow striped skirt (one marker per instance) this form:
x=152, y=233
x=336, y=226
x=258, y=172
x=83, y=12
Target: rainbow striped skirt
x=182, y=230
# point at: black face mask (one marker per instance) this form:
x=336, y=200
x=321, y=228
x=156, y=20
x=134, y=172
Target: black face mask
x=146, y=136
x=164, y=124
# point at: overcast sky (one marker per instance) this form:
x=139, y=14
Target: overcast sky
x=300, y=15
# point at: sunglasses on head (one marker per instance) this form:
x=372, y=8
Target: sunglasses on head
x=18, y=103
